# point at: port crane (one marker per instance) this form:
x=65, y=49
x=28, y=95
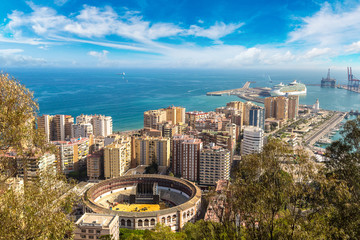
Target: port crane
x=353, y=82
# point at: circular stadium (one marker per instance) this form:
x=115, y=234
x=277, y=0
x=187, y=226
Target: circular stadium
x=141, y=201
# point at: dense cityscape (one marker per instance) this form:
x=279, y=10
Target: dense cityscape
x=179, y=120
x=165, y=173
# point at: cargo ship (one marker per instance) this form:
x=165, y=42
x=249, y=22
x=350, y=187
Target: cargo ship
x=294, y=88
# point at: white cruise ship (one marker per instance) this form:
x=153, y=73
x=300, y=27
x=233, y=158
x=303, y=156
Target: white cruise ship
x=294, y=88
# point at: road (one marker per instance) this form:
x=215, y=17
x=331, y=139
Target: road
x=326, y=127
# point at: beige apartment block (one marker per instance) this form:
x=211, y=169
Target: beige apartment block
x=44, y=125
x=72, y=154
x=192, y=117
x=56, y=128
x=94, y=226
x=293, y=109
x=237, y=105
x=277, y=107
x=117, y=158
x=152, y=117
x=186, y=156
x=95, y=165
x=175, y=114
x=149, y=149
x=214, y=164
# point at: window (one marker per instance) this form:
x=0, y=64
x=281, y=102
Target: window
x=122, y=222
x=152, y=222
x=98, y=231
x=90, y=231
x=83, y=230
x=83, y=236
x=91, y=237
x=140, y=223
x=128, y=223
x=146, y=223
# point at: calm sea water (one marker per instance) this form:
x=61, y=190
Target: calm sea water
x=125, y=98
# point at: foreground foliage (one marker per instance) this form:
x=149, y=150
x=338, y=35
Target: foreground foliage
x=35, y=209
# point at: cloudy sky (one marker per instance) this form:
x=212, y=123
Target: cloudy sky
x=180, y=33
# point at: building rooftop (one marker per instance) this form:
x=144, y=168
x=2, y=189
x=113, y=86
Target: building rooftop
x=95, y=220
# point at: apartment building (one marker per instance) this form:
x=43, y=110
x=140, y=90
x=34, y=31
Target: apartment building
x=253, y=140
x=117, y=158
x=174, y=115
x=214, y=164
x=56, y=128
x=257, y=117
x=81, y=130
x=94, y=226
x=186, y=156
x=293, y=108
x=36, y=165
x=102, y=125
x=149, y=149
x=72, y=154
x=95, y=165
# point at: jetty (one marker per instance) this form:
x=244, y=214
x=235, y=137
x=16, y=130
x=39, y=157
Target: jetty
x=229, y=92
x=246, y=93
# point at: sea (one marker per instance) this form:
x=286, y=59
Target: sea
x=124, y=94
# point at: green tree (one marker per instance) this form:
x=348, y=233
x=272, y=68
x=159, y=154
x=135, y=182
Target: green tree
x=36, y=209
x=276, y=194
x=164, y=233
x=344, y=165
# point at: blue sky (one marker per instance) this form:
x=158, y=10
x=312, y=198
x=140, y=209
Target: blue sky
x=180, y=33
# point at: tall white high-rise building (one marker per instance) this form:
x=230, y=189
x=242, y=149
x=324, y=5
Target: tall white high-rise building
x=253, y=140
x=102, y=125
x=81, y=130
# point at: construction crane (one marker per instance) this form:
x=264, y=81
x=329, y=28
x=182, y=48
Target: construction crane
x=353, y=82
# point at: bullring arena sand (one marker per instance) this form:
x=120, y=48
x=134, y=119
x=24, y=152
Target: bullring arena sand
x=136, y=207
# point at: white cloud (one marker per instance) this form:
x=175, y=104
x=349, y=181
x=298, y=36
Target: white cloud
x=42, y=20
x=10, y=51
x=329, y=27
x=354, y=47
x=317, y=52
x=60, y=2
x=11, y=57
x=214, y=32
x=93, y=22
x=101, y=54
x=101, y=22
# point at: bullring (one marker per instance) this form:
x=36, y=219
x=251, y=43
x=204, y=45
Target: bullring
x=182, y=197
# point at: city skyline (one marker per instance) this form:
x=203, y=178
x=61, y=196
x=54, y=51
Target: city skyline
x=204, y=34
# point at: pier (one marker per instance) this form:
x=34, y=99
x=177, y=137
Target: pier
x=325, y=128
x=246, y=93
x=229, y=92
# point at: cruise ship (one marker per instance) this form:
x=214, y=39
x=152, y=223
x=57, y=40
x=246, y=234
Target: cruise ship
x=294, y=88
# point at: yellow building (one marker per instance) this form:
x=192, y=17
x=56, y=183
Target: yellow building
x=174, y=114
x=117, y=158
x=293, y=108
x=149, y=149
x=152, y=117
x=237, y=105
x=277, y=107
x=269, y=107
x=282, y=104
